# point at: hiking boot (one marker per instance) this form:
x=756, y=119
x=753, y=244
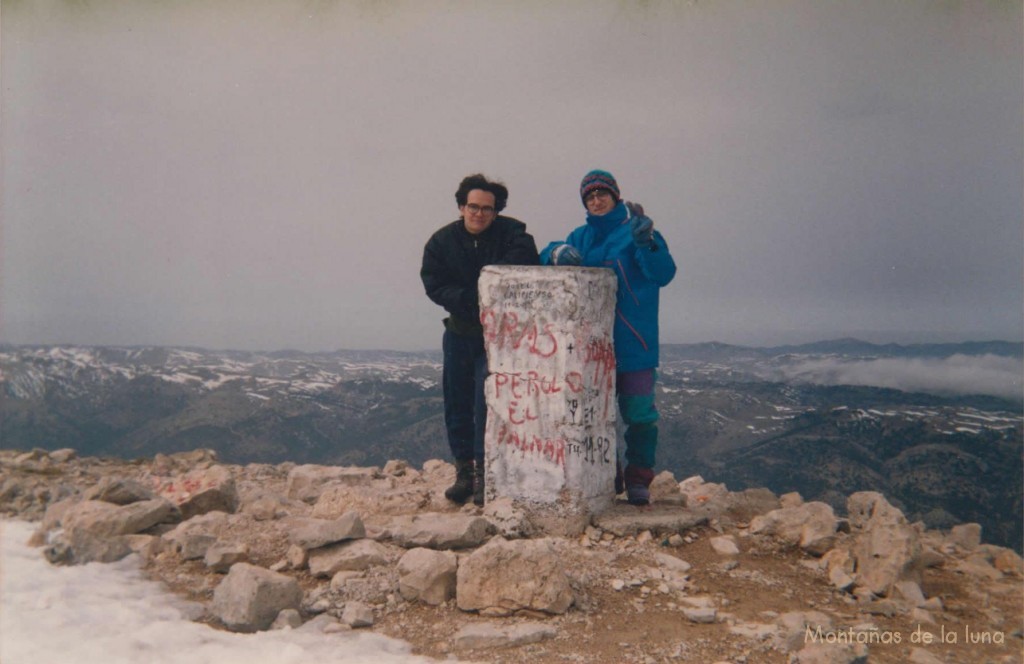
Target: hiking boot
x=637, y=481
x=478, y=486
x=463, y=487
x=638, y=494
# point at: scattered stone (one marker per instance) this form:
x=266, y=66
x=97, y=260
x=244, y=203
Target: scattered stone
x=220, y=557
x=440, y=531
x=885, y=545
x=791, y=499
x=428, y=576
x=250, y=598
x=354, y=555
x=506, y=576
x=192, y=538
x=967, y=536
x=703, y=615
x=119, y=491
x=310, y=533
x=480, y=636
x=724, y=546
x=357, y=614
x=811, y=526
x=308, y=482
x=200, y=491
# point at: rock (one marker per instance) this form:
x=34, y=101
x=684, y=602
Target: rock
x=510, y=521
x=427, y=575
x=192, y=538
x=508, y=576
x=308, y=482
x=701, y=615
x=811, y=526
x=440, y=531
x=287, y=619
x=220, y=557
x=63, y=455
x=311, y=533
x=250, y=598
x=103, y=519
x=664, y=485
x=966, y=536
x=479, y=636
x=885, y=546
x=118, y=491
x=1008, y=561
x=749, y=503
x=382, y=496
x=147, y=546
x=909, y=592
x=200, y=491
x=396, y=467
x=52, y=519
x=355, y=555
x=724, y=546
x=94, y=530
x=791, y=499
x=831, y=653
x=357, y=614
x=794, y=627
x=626, y=521
x=672, y=563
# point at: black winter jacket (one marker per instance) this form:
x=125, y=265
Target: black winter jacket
x=453, y=258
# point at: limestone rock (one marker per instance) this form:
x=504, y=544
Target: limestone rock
x=427, y=575
x=724, y=546
x=308, y=482
x=220, y=557
x=287, y=619
x=831, y=653
x=200, y=491
x=192, y=538
x=118, y=491
x=480, y=636
x=250, y=598
x=967, y=536
x=380, y=496
x=354, y=555
x=885, y=545
x=509, y=520
x=357, y=614
x=440, y=531
x=508, y=576
x=311, y=533
x=811, y=526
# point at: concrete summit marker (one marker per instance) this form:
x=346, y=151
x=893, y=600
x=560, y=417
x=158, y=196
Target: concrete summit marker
x=551, y=410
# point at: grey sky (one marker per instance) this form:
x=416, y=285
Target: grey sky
x=263, y=175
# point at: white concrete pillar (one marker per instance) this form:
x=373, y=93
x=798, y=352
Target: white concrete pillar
x=551, y=410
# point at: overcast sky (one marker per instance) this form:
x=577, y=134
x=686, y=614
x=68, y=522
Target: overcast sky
x=264, y=174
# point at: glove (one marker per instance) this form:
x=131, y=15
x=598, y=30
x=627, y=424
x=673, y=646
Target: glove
x=643, y=231
x=566, y=254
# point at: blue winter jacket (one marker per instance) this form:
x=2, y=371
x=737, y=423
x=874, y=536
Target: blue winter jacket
x=608, y=242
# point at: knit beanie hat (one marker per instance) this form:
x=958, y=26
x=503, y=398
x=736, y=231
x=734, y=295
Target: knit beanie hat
x=597, y=179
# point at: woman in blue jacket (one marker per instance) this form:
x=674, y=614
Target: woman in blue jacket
x=619, y=236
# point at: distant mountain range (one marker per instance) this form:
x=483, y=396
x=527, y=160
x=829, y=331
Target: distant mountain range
x=776, y=417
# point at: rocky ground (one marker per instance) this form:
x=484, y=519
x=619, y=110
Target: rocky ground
x=702, y=575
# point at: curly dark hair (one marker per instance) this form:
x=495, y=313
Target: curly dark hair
x=478, y=181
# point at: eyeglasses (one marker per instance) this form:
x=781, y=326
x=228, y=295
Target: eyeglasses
x=486, y=210
x=597, y=193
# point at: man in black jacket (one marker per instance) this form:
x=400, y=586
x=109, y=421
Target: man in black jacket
x=452, y=260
